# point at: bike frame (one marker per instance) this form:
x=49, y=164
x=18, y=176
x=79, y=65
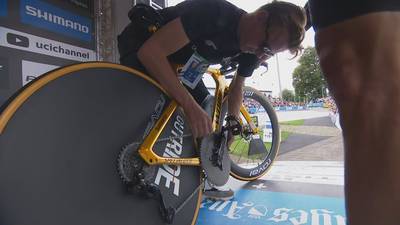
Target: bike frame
x=221, y=91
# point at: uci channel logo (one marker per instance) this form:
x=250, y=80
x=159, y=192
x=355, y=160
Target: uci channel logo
x=17, y=40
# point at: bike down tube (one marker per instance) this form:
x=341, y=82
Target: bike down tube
x=146, y=149
x=219, y=97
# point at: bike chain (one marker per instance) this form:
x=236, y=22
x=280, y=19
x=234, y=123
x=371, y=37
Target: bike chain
x=140, y=185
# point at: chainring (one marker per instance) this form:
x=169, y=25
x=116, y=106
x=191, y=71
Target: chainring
x=130, y=164
x=215, y=175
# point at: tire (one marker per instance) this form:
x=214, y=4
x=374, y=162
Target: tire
x=249, y=162
x=60, y=138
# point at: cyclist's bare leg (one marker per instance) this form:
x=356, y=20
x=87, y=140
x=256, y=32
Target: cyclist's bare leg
x=361, y=61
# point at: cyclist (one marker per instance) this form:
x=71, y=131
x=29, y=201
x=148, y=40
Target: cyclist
x=358, y=43
x=197, y=33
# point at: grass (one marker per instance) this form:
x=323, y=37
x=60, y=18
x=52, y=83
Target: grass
x=285, y=135
x=240, y=147
x=293, y=123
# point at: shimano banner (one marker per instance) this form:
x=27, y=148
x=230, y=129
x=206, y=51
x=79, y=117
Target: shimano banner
x=3, y=7
x=39, y=35
x=46, y=16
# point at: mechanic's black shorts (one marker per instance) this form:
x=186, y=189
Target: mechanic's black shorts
x=328, y=12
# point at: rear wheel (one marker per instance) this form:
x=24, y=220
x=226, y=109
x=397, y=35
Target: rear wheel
x=60, y=138
x=252, y=154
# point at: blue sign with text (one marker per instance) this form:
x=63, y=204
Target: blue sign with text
x=43, y=15
x=261, y=207
x=3, y=7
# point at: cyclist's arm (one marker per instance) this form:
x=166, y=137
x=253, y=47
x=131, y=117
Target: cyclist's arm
x=235, y=99
x=153, y=55
x=235, y=96
x=247, y=64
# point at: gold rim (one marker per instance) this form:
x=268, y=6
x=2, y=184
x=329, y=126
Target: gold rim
x=17, y=102
x=6, y=115
x=196, y=213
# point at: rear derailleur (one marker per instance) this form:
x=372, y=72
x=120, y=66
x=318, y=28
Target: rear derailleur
x=136, y=175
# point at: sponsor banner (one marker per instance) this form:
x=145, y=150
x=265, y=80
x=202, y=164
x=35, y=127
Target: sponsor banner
x=32, y=70
x=3, y=7
x=31, y=43
x=267, y=135
x=310, y=172
x=4, y=73
x=43, y=15
x=260, y=208
x=289, y=108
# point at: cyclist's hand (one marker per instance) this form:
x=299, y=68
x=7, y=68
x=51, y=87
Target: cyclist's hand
x=199, y=120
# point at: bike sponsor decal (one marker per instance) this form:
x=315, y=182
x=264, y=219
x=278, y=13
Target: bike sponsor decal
x=43, y=15
x=32, y=70
x=218, y=109
x=31, y=43
x=260, y=168
x=168, y=174
x=259, y=208
x=4, y=73
x=156, y=115
x=248, y=93
x=3, y=7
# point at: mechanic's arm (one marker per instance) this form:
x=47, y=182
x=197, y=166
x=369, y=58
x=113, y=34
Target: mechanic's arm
x=235, y=96
x=235, y=99
x=153, y=55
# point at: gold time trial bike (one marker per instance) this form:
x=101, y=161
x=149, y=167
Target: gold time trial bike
x=100, y=143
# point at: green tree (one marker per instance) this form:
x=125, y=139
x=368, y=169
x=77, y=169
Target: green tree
x=308, y=79
x=288, y=95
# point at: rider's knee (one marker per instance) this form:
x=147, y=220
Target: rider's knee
x=360, y=55
x=342, y=71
